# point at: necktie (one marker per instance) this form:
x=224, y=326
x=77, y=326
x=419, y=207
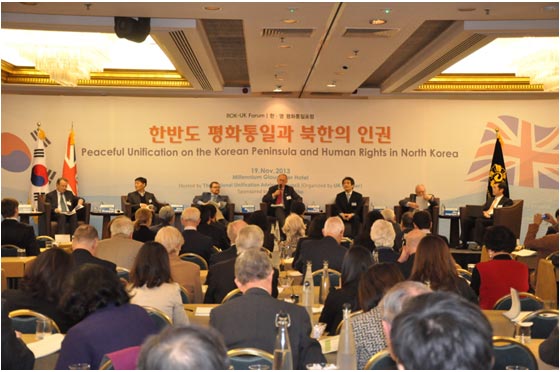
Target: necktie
x=63, y=206
x=214, y=198
x=348, y=197
x=279, y=197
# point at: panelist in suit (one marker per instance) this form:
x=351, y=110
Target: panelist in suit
x=349, y=205
x=63, y=202
x=140, y=198
x=213, y=197
x=279, y=199
x=84, y=248
x=249, y=320
x=15, y=232
x=479, y=223
x=420, y=200
x=195, y=242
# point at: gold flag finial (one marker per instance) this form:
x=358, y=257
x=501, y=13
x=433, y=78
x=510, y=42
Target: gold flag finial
x=499, y=137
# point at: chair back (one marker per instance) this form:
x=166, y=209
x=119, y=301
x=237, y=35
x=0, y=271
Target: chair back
x=242, y=358
x=9, y=250
x=216, y=249
x=544, y=322
x=509, y=352
x=43, y=239
x=25, y=321
x=339, y=326
x=124, y=359
x=232, y=294
x=510, y=217
x=126, y=207
x=465, y=274
x=123, y=273
x=546, y=286
x=196, y=259
x=381, y=361
x=334, y=277
x=45, y=218
x=529, y=302
x=184, y=295
x=4, y=280
x=161, y=319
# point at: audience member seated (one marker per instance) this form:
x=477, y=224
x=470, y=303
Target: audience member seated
x=544, y=245
x=442, y=331
x=383, y=236
x=142, y=223
x=84, y=248
x=120, y=248
x=232, y=232
x=249, y=320
x=298, y=207
x=422, y=223
x=184, y=348
x=349, y=206
x=493, y=279
x=208, y=228
x=553, y=228
x=15, y=232
x=420, y=200
x=326, y=249
x=314, y=232
x=364, y=237
x=259, y=218
x=434, y=266
x=548, y=349
x=221, y=276
x=185, y=273
x=151, y=283
x=367, y=327
x=15, y=354
x=140, y=198
x=214, y=198
x=406, y=223
x=279, y=199
x=356, y=261
x=195, y=242
x=294, y=229
x=97, y=299
x=389, y=215
x=63, y=202
x=166, y=216
x=41, y=287
x=480, y=223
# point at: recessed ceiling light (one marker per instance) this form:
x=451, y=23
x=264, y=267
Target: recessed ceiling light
x=280, y=65
x=466, y=9
x=278, y=77
x=378, y=21
x=277, y=89
x=339, y=73
x=332, y=84
x=354, y=55
x=212, y=8
x=285, y=46
x=289, y=21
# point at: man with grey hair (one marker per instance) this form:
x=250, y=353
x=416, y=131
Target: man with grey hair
x=195, y=242
x=184, y=348
x=420, y=200
x=120, y=248
x=232, y=232
x=326, y=249
x=84, y=248
x=249, y=320
x=221, y=276
x=166, y=216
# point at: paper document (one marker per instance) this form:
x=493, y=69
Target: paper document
x=49, y=345
x=203, y=311
x=524, y=253
x=277, y=205
x=329, y=344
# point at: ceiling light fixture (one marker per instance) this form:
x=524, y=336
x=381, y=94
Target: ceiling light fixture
x=277, y=89
x=355, y=55
x=283, y=45
x=212, y=8
x=378, y=21
x=289, y=21
x=332, y=84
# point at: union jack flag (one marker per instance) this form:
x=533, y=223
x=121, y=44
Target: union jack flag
x=530, y=153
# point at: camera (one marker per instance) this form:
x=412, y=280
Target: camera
x=544, y=217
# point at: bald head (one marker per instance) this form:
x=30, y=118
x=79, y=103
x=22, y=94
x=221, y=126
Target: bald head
x=334, y=227
x=233, y=229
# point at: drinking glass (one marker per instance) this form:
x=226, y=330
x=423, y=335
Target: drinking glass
x=43, y=328
x=523, y=332
x=258, y=366
x=79, y=366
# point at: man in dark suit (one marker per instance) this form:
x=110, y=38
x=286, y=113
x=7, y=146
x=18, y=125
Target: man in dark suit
x=326, y=249
x=249, y=320
x=140, y=198
x=195, y=242
x=214, y=198
x=279, y=199
x=349, y=205
x=63, y=202
x=84, y=245
x=15, y=232
x=480, y=223
x=233, y=229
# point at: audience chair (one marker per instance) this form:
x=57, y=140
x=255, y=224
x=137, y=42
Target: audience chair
x=544, y=322
x=529, y=302
x=4, y=280
x=9, y=250
x=242, y=358
x=124, y=359
x=339, y=326
x=196, y=259
x=161, y=319
x=269, y=253
x=184, y=295
x=399, y=211
x=24, y=321
x=509, y=352
x=123, y=273
x=381, y=361
x=546, y=286
x=334, y=277
x=216, y=249
x=232, y=294
x=43, y=239
x=465, y=274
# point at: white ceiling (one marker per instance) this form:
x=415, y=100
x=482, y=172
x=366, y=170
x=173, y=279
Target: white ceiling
x=392, y=63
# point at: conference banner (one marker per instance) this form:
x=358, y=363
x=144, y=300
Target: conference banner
x=388, y=146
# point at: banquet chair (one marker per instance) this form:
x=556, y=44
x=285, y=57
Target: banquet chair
x=43, y=239
x=161, y=319
x=339, y=326
x=123, y=273
x=381, y=361
x=184, y=295
x=216, y=249
x=546, y=286
x=334, y=277
x=509, y=352
x=544, y=322
x=529, y=302
x=196, y=259
x=232, y=294
x=242, y=358
x=124, y=359
x=465, y=274
x=24, y=321
x=9, y=250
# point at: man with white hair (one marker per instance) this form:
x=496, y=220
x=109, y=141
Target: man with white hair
x=120, y=248
x=420, y=200
x=195, y=242
x=166, y=218
x=326, y=249
x=221, y=276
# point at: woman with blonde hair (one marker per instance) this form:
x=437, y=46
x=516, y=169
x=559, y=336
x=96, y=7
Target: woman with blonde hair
x=294, y=228
x=142, y=222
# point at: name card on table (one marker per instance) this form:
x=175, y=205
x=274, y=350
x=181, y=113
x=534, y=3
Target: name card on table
x=177, y=207
x=451, y=212
x=107, y=208
x=247, y=208
x=313, y=208
x=25, y=208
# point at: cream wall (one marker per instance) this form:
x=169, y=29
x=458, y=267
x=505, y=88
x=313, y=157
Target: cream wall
x=449, y=127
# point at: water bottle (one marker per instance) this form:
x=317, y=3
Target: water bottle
x=308, y=291
x=346, y=355
x=276, y=255
x=282, y=349
x=325, y=283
